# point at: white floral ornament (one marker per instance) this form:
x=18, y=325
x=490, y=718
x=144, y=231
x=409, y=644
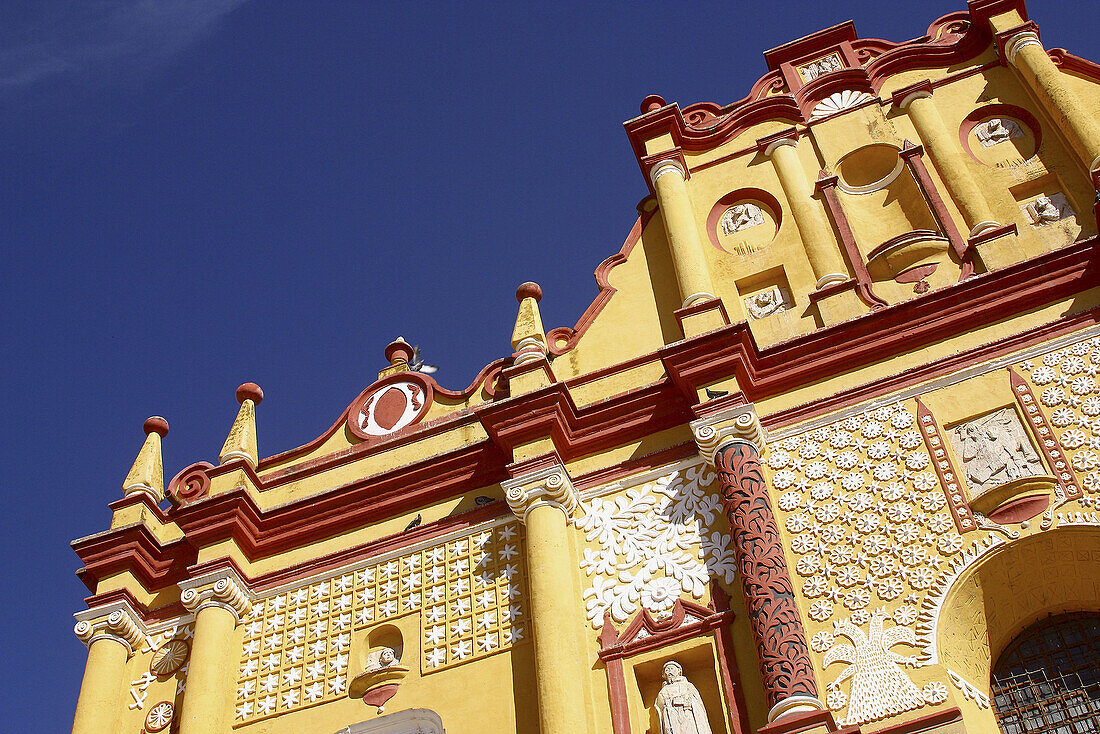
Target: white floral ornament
x=934, y=692
x=649, y=538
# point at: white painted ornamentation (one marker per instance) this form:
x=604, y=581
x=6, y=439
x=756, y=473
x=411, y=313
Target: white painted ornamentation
x=879, y=686
x=656, y=542
x=838, y=102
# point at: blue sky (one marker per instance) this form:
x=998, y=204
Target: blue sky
x=198, y=193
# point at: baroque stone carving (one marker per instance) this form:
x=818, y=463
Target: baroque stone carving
x=647, y=538
x=769, y=595
x=997, y=130
x=995, y=449
x=839, y=101
x=1049, y=210
x=765, y=303
x=814, y=69
x=679, y=706
x=879, y=687
x=741, y=216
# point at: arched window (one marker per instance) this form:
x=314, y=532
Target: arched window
x=1048, y=680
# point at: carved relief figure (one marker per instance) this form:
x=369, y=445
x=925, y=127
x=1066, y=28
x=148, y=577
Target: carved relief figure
x=679, y=705
x=1048, y=209
x=741, y=216
x=879, y=687
x=995, y=449
x=815, y=69
x=765, y=303
x=997, y=130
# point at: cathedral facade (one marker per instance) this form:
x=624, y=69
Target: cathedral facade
x=823, y=453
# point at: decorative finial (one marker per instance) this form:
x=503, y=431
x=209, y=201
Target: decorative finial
x=241, y=442
x=652, y=102
x=399, y=352
x=529, y=337
x=147, y=474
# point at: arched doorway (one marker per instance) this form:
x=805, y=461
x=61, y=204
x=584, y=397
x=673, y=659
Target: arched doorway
x=1048, y=679
x=410, y=721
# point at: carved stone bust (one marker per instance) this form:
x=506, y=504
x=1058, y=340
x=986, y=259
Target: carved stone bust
x=679, y=705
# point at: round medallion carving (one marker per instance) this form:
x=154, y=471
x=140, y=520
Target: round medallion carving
x=743, y=221
x=159, y=717
x=1000, y=135
x=169, y=658
x=190, y=484
x=390, y=405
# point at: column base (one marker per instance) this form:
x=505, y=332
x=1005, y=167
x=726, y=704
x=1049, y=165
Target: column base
x=837, y=302
x=998, y=248
x=702, y=317
x=807, y=722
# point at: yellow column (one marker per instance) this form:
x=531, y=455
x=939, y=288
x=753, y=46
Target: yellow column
x=948, y=158
x=110, y=640
x=817, y=235
x=688, y=258
x=1026, y=54
x=206, y=699
x=543, y=500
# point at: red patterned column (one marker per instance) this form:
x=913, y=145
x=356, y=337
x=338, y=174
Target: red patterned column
x=769, y=596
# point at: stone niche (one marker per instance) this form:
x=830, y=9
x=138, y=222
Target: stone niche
x=997, y=457
x=699, y=667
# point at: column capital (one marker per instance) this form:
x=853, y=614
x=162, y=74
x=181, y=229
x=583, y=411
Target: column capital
x=116, y=621
x=223, y=588
x=769, y=143
x=739, y=423
x=1011, y=41
x=671, y=162
x=541, y=481
x=905, y=96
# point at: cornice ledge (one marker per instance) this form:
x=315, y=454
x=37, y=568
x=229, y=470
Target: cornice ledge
x=117, y=621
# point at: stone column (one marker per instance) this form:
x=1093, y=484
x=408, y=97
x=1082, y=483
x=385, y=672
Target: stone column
x=218, y=603
x=111, y=638
x=948, y=157
x=817, y=235
x=688, y=258
x=544, y=499
x=729, y=442
x=1024, y=52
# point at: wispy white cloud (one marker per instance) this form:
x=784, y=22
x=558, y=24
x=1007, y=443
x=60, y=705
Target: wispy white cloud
x=91, y=42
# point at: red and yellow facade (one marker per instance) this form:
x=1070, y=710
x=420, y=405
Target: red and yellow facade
x=828, y=436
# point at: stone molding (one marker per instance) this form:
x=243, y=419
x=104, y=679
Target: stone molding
x=739, y=422
x=669, y=165
x=221, y=588
x=546, y=485
x=115, y=621
x=1014, y=43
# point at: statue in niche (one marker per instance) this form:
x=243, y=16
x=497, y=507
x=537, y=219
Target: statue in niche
x=679, y=705
x=997, y=130
x=817, y=68
x=995, y=449
x=741, y=216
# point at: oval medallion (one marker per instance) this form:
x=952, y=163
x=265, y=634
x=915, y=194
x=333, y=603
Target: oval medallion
x=389, y=406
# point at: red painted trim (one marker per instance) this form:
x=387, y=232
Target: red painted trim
x=925, y=372
x=616, y=689
x=1049, y=444
x=806, y=722
x=827, y=186
x=730, y=350
x=913, y=155
x=485, y=379
x=1020, y=509
x=1067, y=62
x=936, y=445
x=727, y=666
x=950, y=40
x=606, y=290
